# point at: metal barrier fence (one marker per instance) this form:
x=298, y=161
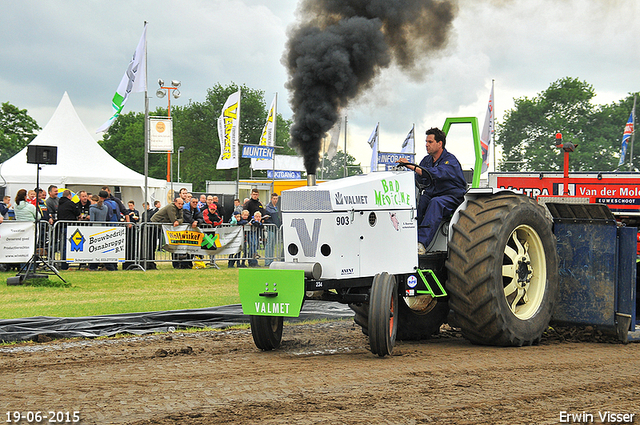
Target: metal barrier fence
x=144, y=247
x=261, y=246
x=42, y=240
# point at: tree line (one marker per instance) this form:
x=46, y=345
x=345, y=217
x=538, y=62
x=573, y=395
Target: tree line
x=526, y=135
x=195, y=128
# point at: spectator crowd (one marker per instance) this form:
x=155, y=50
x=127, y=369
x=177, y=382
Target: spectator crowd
x=51, y=206
x=187, y=209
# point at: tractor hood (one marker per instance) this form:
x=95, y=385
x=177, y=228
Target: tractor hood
x=385, y=190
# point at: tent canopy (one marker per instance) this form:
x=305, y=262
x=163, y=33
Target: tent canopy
x=81, y=162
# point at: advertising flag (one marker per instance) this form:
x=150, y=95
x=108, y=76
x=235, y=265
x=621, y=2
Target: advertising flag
x=409, y=144
x=268, y=137
x=373, y=142
x=133, y=81
x=628, y=131
x=487, y=132
x=229, y=132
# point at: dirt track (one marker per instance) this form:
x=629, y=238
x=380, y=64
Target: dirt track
x=322, y=374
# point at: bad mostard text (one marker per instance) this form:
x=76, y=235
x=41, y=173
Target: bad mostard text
x=605, y=417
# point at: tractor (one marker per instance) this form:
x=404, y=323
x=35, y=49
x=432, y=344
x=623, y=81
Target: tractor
x=493, y=269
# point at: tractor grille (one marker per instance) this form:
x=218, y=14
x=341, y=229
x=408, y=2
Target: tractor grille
x=306, y=200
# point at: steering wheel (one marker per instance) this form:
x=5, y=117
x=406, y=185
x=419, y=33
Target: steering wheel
x=425, y=174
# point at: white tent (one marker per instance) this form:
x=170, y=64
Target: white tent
x=82, y=164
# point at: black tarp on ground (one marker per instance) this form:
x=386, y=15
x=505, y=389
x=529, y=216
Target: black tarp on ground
x=143, y=323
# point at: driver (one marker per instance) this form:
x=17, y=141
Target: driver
x=445, y=186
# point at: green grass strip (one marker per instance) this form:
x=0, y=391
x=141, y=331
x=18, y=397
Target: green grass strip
x=92, y=293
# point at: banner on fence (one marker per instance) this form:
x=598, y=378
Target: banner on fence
x=95, y=244
x=219, y=241
x=16, y=241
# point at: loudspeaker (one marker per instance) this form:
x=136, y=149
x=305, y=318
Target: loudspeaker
x=42, y=154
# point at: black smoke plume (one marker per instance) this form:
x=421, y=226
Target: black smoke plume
x=339, y=47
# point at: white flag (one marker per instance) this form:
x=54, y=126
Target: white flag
x=334, y=137
x=487, y=131
x=373, y=142
x=409, y=144
x=134, y=80
x=268, y=137
x=229, y=132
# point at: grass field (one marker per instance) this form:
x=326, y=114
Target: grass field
x=103, y=292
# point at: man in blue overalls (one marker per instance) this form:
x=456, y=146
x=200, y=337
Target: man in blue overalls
x=446, y=189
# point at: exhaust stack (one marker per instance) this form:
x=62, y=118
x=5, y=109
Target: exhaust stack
x=311, y=179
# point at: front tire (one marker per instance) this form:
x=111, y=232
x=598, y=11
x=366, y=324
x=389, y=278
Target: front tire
x=383, y=323
x=503, y=270
x=266, y=331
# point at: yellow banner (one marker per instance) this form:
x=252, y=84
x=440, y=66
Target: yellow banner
x=184, y=237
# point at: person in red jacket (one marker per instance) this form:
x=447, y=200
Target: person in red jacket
x=211, y=216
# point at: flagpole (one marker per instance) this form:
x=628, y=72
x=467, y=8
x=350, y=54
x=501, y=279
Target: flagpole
x=375, y=148
x=493, y=133
x=324, y=153
x=146, y=153
x=633, y=133
x=273, y=161
x=238, y=153
x=413, y=131
x=345, y=146
x=146, y=126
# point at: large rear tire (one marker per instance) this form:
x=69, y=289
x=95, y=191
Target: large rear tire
x=266, y=331
x=503, y=270
x=383, y=323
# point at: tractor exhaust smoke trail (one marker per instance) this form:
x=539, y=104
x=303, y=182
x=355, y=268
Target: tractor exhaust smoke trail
x=340, y=46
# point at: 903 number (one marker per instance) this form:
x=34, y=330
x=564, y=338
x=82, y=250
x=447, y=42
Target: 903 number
x=342, y=221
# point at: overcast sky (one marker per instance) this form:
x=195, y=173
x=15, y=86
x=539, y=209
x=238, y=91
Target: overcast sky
x=84, y=47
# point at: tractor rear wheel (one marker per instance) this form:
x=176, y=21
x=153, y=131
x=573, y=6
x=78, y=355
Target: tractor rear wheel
x=503, y=270
x=383, y=310
x=266, y=331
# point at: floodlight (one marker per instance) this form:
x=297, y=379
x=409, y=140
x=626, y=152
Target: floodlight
x=160, y=93
x=175, y=83
x=176, y=93
x=160, y=82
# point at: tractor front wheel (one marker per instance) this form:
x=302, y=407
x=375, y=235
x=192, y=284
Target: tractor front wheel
x=266, y=331
x=383, y=310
